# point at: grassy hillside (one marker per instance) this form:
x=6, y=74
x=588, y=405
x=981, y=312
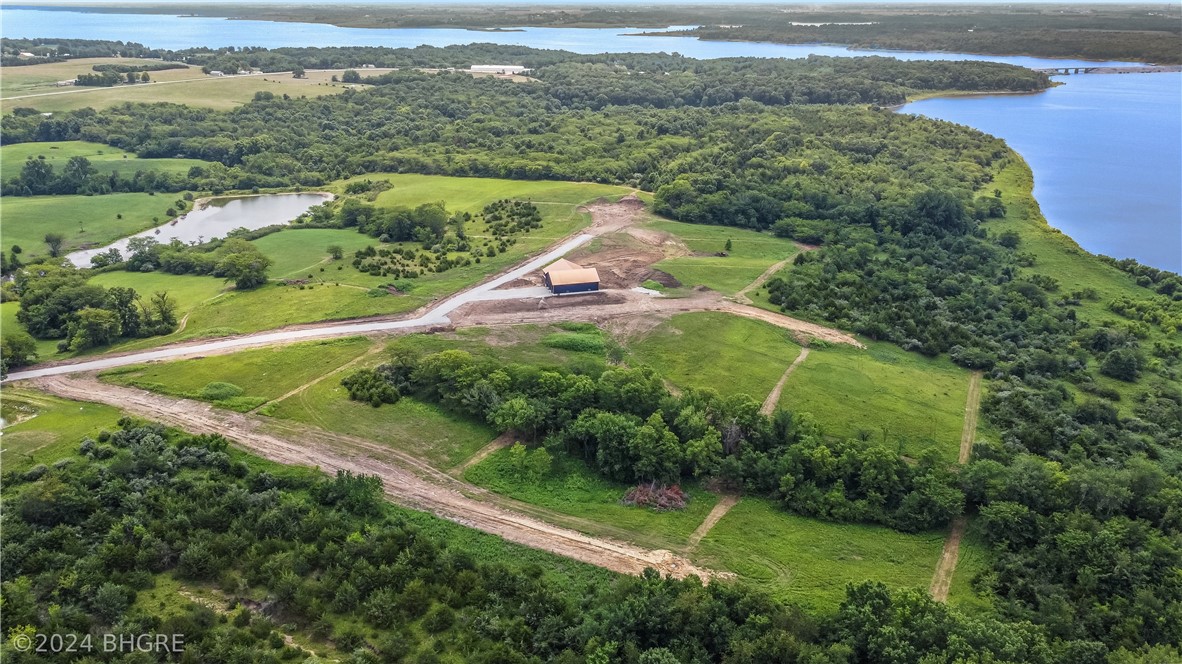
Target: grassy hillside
x=85, y=221
x=731, y=354
x=104, y=158
x=893, y=397
x=751, y=254
x=42, y=429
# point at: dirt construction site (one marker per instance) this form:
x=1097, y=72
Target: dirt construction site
x=622, y=252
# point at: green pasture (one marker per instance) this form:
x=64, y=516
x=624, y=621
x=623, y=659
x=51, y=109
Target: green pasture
x=8, y=322
x=573, y=489
x=751, y=254
x=728, y=353
x=810, y=562
x=900, y=399
x=104, y=158
x=975, y=557
x=260, y=375
x=472, y=194
x=297, y=253
x=85, y=221
x=42, y=78
x=46, y=428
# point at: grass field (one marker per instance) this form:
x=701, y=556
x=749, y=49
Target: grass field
x=810, y=562
x=418, y=428
x=731, y=354
x=903, y=400
x=178, y=86
x=261, y=374
x=47, y=428
x=8, y=311
x=518, y=344
x=104, y=158
x=85, y=221
x=751, y=254
x=974, y=558
x=299, y=252
x=573, y=489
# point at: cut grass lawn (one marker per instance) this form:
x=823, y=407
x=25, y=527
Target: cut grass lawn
x=297, y=253
x=261, y=374
x=573, y=489
x=903, y=400
x=104, y=158
x=810, y=562
x=731, y=354
x=85, y=221
x=418, y=428
x=47, y=428
x=751, y=254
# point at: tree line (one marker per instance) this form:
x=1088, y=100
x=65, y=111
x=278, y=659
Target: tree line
x=379, y=585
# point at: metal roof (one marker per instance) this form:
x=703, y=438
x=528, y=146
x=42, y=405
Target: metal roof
x=561, y=264
x=582, y=275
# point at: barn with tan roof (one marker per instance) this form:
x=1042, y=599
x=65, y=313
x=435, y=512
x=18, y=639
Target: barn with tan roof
x=564, y=277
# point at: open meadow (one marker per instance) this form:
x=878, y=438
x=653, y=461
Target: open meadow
x=41, y=429
x=104, y=159
x=85, y=221
x=751, y=253
x=246, y=380
x=887, y=395
x=809, y=562
x=34, y=86
x=727, y=353
x=573, y=489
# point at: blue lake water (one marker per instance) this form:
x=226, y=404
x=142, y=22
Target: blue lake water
x=1106, y=150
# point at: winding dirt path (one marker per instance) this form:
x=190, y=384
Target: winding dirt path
x=406, y=480
x=741, y=296
x=946, y=567
x=724, y=505
x=773, y=397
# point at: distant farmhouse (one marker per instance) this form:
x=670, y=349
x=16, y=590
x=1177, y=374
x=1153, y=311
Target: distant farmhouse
x=498, y=69
x=565, y=277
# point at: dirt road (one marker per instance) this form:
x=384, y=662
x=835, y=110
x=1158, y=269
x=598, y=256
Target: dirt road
x=773, y=397
x=723, y=506
x=408, y=481
x=946, y=568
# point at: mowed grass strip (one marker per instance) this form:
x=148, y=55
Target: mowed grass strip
x=975, y=558
x=573, y=489
x=810, y=562
x=903, y=400
x=104, y=159
x=731, y=354
x=422, y=429
x=259, y=375
x=47, y=428
x=750, y=255
x=85, y=221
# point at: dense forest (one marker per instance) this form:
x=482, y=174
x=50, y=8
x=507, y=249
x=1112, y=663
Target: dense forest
x=338, y=563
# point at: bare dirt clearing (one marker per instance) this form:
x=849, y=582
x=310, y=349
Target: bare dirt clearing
x=408, y=481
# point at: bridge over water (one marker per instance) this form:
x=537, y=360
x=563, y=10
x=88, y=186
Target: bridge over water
x=1145, y=69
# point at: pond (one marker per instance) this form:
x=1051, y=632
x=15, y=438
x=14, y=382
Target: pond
x=216, y=217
